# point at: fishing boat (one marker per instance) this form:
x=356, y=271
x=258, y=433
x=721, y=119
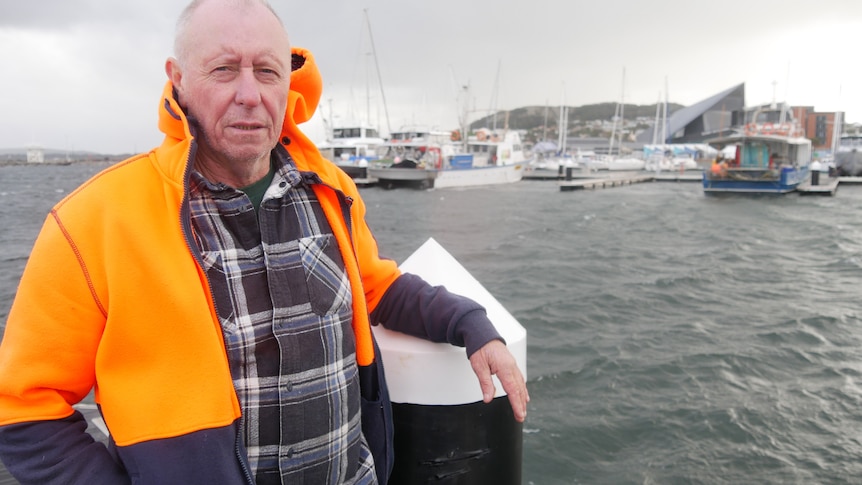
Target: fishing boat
x=411, y=158
x=769, y=155
x=486, y=158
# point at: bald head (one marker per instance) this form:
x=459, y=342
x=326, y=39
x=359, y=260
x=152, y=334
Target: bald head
x=182, y=36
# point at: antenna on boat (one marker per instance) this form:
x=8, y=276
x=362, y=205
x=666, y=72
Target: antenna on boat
x=774, y=84
x=495, y=96
x=785, y=105
x=377, y=66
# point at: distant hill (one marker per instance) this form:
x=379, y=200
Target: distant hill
x=13, y=155
x=533, y=117
x=52, y=152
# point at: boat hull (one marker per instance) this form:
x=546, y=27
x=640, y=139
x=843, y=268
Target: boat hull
x=388, y=177
x=476, y=176
x=354, y=171
x=755, y=181
x=394, y=177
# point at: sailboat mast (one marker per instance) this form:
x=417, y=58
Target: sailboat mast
x=657, y=120
x=619, y=116
x=545, y=124
x=622, y=113
x=664, y=123
x=564, y=122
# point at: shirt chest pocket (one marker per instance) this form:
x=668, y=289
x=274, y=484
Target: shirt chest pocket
x=308, y=274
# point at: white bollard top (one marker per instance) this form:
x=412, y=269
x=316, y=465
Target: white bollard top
x=423, y=372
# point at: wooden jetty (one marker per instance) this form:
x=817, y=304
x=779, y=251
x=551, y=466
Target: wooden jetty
x=610, y=179
x=670, y=176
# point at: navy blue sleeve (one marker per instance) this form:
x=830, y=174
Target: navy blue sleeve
x=412, y=306
x=58, y=452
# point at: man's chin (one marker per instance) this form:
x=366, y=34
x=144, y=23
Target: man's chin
x=249, y=152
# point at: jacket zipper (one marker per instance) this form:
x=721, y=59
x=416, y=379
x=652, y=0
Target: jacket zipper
x=185, y=226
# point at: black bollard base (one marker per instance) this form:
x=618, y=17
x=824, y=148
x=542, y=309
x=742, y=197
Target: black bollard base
x=466, y=444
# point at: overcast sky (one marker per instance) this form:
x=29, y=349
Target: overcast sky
x=87, y=74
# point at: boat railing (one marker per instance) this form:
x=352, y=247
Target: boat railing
x=744, y=174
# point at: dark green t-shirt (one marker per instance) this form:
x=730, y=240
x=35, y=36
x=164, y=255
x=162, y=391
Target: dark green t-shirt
x=256, y=190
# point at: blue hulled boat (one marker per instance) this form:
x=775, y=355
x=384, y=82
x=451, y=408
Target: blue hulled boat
x=768, y=156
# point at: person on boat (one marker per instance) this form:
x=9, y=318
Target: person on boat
x=216, y=293
x=719, y=167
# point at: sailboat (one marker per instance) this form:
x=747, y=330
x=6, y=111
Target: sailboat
x=615, y=160
x=660, y=156
x=549, y=163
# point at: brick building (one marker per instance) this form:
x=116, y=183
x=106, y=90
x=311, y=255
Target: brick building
x=818, y=126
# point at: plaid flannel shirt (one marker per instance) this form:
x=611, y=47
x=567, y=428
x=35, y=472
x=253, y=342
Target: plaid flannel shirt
x=284, y=302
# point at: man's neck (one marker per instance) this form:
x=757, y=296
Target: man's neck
x=236, y=174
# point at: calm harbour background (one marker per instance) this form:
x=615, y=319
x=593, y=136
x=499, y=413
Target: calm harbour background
x=673, y=338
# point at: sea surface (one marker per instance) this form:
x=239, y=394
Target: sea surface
x=673, y=338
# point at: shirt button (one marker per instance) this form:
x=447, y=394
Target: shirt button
x=288, y=386
x=289, y=453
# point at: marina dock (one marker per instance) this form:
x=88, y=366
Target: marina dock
x=825, y=186
x=600, y=180
x=605, y=181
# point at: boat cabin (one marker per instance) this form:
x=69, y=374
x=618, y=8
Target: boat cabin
x=766, y=153
x=352, y=145
x=354, y=132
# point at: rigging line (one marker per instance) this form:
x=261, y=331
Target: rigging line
x=377, y=66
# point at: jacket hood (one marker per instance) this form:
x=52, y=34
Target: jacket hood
x=306, y=87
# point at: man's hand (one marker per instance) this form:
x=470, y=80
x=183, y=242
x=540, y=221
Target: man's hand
x=495, y=359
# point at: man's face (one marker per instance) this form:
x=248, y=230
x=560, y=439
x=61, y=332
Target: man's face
x=235, y=78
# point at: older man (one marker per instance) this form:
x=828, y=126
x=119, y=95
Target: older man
x=217, y=293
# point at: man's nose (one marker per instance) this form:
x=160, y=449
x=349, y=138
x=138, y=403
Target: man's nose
x=247, y=89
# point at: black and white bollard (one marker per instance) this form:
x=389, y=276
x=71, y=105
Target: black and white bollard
x=444, y=432
x=815, y=173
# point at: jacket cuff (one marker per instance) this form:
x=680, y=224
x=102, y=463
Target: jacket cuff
x=476, y=330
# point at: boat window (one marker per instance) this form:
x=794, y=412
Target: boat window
x=371, y=133
x=755, y=155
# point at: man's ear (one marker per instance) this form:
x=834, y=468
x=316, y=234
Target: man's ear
x=174, y=72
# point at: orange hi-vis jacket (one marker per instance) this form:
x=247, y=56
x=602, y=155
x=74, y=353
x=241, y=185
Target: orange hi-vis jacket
x=127, y=312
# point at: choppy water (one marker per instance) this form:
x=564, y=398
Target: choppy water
x=672, y=338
